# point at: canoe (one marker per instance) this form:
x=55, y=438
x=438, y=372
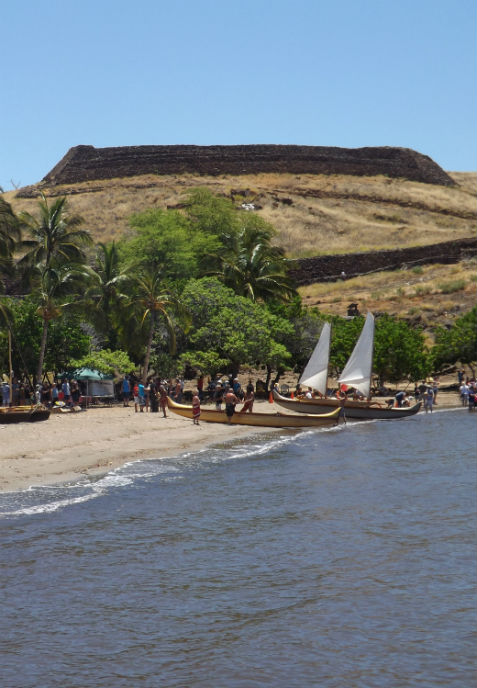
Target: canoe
x=23, y=414
x=263, y=420
x=352, y=409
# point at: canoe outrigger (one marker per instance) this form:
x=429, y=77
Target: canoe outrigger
x=264, y=420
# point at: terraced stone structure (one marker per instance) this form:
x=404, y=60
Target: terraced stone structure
x=84, y=163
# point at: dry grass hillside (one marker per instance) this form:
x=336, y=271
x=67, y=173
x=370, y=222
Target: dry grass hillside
x=426, y=295
x=316, y=214
x=312, y=213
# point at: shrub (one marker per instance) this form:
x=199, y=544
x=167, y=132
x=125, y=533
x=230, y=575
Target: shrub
x=451, y=287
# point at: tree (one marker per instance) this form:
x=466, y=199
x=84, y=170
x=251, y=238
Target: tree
x=155, y=301
x=166, y=240
x=306, y=323
x=53, y=259
x=66, y=338
x=10, y=237
x=254, y=268
x=55, y=237
x=399, y=351
x=237, y=331
x=106, y=361
x=107, y=291
x=210, y=214
x=459, y=343
x=55, y=284
x=10, y=234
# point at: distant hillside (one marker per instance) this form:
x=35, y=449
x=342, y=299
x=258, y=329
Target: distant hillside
x=313, y=213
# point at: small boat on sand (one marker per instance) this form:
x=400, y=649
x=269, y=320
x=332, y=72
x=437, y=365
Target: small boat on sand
x=23, y=414
x=264, y=420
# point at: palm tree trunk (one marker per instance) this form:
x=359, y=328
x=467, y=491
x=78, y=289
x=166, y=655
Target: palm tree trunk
x=149, y=347
x=41, y=358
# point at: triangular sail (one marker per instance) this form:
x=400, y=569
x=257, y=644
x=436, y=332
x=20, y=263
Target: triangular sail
x=357, y=372
x=315, y=374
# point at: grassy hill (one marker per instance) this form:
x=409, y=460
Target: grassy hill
x=315, y=214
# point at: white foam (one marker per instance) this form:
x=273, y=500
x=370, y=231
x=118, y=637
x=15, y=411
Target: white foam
x=49, y=508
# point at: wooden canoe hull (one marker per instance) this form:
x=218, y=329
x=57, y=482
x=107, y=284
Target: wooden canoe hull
x=23, y=414
x=263, y=420
x=353, y=409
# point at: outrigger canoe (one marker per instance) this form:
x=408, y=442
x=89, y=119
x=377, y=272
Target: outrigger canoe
x=23, y=414
x=263, y=420
x=352, y=409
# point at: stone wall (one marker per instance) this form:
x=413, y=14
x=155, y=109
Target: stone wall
x=83, y=163
x=330, y=268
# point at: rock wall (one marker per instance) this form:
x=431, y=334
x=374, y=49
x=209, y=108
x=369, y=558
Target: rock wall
x=330, y=268
x=83, y=163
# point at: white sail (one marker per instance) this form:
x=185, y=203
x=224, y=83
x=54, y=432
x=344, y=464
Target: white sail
x=315, y=374
x=357, y=372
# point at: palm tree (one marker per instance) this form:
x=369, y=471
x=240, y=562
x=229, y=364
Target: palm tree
x=56, y=284
x=55, y=237
x=106, y=290
x=254, y=268
x=53, y=259
x=10, y=236
x=155, y=301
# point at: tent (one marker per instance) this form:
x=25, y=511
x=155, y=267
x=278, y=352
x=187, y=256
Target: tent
x=97, y=384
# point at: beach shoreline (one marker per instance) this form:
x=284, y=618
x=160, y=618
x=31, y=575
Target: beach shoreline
x=70, y=445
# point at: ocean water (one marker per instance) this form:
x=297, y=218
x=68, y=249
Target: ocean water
x=332, y=558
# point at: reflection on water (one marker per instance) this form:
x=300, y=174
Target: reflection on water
x=329, y=558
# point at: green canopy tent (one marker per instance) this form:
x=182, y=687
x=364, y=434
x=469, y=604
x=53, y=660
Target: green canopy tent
x=98, y=385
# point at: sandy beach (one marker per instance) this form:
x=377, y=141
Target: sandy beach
x=98, y=440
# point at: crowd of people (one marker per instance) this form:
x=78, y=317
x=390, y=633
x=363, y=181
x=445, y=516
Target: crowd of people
x=152, y=396
x=68, y=392
x=223, y=391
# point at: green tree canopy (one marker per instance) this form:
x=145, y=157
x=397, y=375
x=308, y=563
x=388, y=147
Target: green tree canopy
x=399, y=349
x=106, y=361
x=237, y=330
x=67, y=339
x=166, y=240
x=458, y=343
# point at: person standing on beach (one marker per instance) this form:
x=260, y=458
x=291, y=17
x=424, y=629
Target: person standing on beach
x=428, y=399
x=230, y=403
x=126, y=391
x=196, y=407
x=6, y=394
x=218, y=396
x=142, y=396
x=248, y=401
x=66, y=392
x=163, y=399
x=136, y=396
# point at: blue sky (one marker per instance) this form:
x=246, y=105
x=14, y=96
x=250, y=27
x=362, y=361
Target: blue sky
x=344, y=73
